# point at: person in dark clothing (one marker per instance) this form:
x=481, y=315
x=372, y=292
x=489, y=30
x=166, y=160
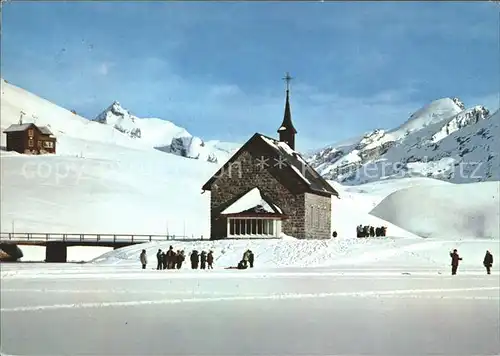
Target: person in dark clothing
x=455, y=258
x=241, y=265
x=164, y=259
x=210, y=260
x=195, y=259
x=377, y=232
x=159, y=265
x=488, y=261
x=372, y=231
x=334, y=234
x=250, y=258
x=180, y=259
x=203, y=260
x=171, y=258
x=144, y=259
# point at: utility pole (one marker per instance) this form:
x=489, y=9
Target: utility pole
x=167, y=230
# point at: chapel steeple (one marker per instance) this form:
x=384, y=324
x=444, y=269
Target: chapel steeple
x=287, y=131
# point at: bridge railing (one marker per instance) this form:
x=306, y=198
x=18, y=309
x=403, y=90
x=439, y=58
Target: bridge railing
x=85, y=237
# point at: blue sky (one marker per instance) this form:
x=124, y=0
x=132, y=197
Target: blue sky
x=215, y=68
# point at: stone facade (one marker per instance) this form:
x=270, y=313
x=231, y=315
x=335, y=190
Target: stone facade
x=244, y=174
x=318, y=210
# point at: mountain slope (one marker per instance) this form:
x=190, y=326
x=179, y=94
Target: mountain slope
x=164, y=135
x=427, y=144
x=63, y=123
x=71, y=128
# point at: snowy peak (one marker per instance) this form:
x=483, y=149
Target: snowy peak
x=120, y=119
x=461, y=120
x=459, y=103
x=425, y=137
x=435, y=112
x=163, y=135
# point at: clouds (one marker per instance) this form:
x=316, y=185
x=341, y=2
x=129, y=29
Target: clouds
x=104, y=68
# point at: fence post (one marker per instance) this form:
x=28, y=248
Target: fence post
x=132, y=238
x=150, y=238
x=114, y=239
x=98, y=237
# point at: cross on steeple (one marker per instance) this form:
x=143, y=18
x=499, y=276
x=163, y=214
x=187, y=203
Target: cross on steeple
x=287, y=78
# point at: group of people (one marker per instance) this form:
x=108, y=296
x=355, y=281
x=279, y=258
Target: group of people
x=370, y=231
x=455, y=260
x=204, y=260
x=171, y=259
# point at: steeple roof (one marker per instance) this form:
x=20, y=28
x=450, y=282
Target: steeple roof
x=287, y=124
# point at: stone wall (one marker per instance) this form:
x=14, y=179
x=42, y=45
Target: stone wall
x=318, y=216
x=243, y=175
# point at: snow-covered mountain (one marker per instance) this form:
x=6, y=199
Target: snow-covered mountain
x=442, y=140
x=164, y=135
x=122, y=129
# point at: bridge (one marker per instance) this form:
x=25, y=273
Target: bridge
x=56, y=244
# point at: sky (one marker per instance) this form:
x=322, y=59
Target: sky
x=216, y=68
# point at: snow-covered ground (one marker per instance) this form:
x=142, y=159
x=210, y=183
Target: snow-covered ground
x=445, y=211
x=113, y=310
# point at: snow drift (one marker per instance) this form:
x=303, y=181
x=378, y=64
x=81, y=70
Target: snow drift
x=445, y=211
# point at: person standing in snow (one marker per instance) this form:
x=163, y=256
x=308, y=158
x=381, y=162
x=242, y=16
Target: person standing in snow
x=203, y=260
x=210, y=259
x=180, y=259
x=250, y=258
x=170, y=258
x=455, y=258
x=246, y=256
x=164, y=259
x=144, y=259
x=160, y=260
x=488, y=261
x=195, y=259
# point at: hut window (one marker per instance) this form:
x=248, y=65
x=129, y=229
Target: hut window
x=31, y=132
x=30, y=143
x=39, y=143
